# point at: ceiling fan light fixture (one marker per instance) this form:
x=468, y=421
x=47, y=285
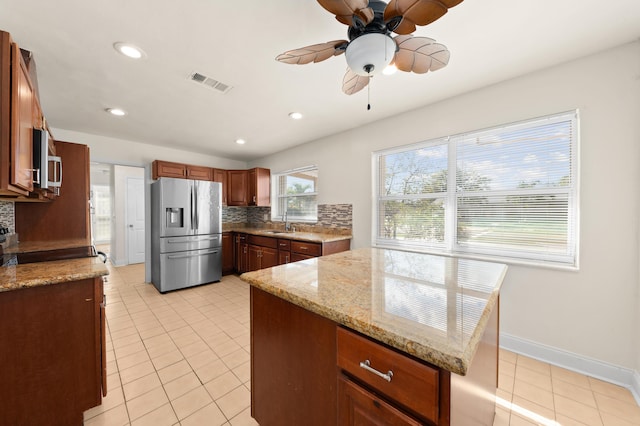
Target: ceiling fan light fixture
x=241, y=141
x=370, y=53
x=389, y=69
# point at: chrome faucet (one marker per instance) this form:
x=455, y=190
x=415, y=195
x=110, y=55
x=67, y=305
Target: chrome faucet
x=287, y=226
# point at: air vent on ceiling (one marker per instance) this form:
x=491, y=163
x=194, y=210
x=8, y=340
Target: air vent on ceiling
x=210, y=82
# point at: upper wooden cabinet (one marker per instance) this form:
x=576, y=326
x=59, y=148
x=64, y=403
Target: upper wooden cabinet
x=237, y=187
x=18, y=114
x=220, y=175
x=68, y=216
x=178, y=170
x=259, y=187
x=249, y=187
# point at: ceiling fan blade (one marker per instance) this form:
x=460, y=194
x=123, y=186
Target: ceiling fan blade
x=345, y=9
x=314, y=53
x=420, y=54
x=416, y=12
x=353, y=83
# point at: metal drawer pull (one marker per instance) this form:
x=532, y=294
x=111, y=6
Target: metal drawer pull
x=367, y=366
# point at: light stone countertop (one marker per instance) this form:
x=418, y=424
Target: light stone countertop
x=314, y=237
x=15, y=277
x=435, y=308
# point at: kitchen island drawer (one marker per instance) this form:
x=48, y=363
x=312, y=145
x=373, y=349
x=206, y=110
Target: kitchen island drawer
x=309, y=249
x=412, y=384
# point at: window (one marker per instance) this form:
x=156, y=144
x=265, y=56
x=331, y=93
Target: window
x=508, y=192
x=295, y=193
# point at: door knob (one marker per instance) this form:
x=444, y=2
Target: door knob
x=130, y=226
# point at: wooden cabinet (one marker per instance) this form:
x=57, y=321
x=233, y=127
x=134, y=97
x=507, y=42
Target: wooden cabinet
x=284, y=251
x=249, y=187
x=220, y=175
x=358, y=406
x=263, y=252
x=259, y=187
x=237, y=187
x=241, y=253
x=227, y=253
x=389, y=373
x=199, y=172
x=68, y=216
x=52, y=353
x=161, y=168
x=255, y=252
x=168, y=169
x=306, y=369
x=17, y=103
x=293, y=364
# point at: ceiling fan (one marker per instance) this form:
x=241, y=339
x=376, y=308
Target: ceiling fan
x=371, y=47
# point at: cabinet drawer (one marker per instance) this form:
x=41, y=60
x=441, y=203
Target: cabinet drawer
x=413, y=385
x=284, y=244
x=309, y=249
x=263, y=241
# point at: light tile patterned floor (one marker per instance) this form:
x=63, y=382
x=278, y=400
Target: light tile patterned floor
x=183, y=359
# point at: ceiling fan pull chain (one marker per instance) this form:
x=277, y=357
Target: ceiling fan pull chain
x=369, y=94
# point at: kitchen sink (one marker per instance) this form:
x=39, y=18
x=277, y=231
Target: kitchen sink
x=279, y=232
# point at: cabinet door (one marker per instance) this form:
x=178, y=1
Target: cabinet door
x=357, y=406
x=259, y=187
x=254, y=257
x=242, y=252
x=268, y=257
x=227, y=253
x=221, y=176
x=237, y=187
x=284, y=257
x=22, y=123
x=199, y=173
x=168, y=169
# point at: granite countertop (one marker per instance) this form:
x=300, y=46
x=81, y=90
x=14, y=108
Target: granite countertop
x=15, y=277
x=435, y=308
x=314, y=237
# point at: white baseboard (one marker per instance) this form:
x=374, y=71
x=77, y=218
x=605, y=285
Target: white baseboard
x=625, y=377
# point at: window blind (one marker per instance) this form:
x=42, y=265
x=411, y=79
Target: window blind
x=508, y=191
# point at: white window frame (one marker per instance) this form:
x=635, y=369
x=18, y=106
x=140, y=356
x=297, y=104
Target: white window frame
x=450, y=246
x=277, y=198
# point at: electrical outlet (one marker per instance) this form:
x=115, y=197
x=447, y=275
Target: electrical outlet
x=265, y=217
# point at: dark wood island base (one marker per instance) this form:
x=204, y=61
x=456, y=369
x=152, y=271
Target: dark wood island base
x=305, y=369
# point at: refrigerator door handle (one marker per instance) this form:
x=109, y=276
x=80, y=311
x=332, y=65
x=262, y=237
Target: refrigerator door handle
x=197, y=212
x=192, y=210
x=182, y=256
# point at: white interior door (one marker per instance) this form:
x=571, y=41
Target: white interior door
x=135, y=220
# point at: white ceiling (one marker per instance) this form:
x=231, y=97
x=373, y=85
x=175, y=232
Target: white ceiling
x=235, y=42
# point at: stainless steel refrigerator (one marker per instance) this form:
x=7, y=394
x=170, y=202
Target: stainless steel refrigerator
x=186, y=238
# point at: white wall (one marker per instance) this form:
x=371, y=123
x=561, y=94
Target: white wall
x=130, y=153
x=591, y=314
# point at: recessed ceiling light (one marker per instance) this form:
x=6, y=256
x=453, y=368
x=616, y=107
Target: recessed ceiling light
x=129, y=50
x=240, y=141
x=295, y=115
x=116, y=111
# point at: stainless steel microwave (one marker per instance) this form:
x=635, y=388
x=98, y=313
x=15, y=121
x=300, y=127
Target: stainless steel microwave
x=48, y=168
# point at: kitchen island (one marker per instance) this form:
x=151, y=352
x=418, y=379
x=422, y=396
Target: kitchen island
x=52, y=333
x=375, y=336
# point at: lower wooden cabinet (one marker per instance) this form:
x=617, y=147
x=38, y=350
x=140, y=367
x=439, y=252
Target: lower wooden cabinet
x=306, y=369
x=52, y=353
x=253, y=252
x=241, y=250
x=228, y=253
x=358, y=406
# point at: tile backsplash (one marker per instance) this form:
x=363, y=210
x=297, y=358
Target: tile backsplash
x=333, y=216
x=7, y=215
